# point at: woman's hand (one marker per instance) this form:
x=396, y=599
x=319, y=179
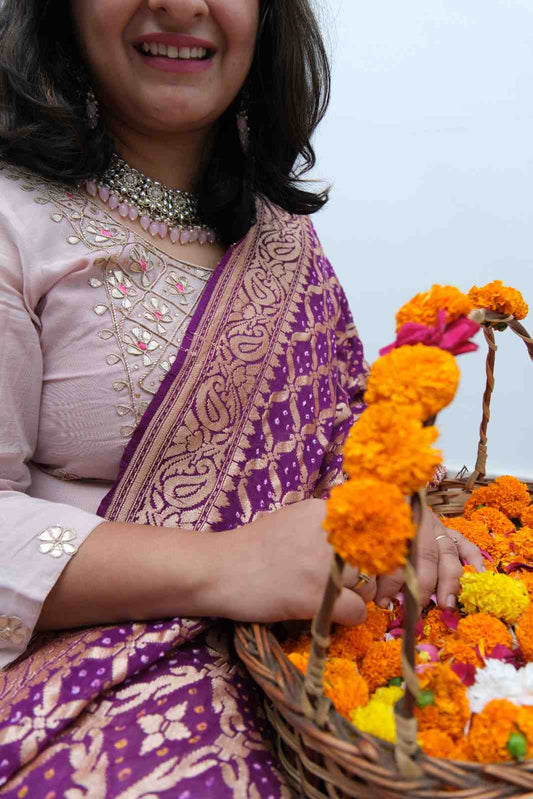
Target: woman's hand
x=440, y=551
x=276, y=569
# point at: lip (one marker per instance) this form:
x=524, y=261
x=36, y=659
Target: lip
x=175, y=40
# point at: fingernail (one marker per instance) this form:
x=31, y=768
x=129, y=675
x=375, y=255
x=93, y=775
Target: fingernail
x=451, y=601
x=385, y=602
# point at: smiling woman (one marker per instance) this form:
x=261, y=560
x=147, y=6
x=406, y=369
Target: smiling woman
x=178, y=372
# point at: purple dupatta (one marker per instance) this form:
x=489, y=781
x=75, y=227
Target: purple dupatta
x=251, y=417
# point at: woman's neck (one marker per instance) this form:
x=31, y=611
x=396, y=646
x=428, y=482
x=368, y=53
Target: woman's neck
x=172, y=160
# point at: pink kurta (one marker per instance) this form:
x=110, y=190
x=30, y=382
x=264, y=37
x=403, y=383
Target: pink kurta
x=91, y=318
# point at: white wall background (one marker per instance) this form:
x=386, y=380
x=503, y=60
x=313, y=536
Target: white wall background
x=429, y=146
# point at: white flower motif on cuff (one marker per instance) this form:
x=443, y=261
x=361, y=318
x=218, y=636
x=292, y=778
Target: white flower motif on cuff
x=13, y=630
x=56, y=541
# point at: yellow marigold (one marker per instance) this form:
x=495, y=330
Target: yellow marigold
x=299, y=660
x=506, y=494
x=524, y=634
x=369, y=524
x=351, y=643
x=496, y=594
x=523, y=544
x=484, y=631
x=526, y=517
x=526, y=578
x=455, y=649
x=382, y=662
x=496, y=521
x=434, y=628
x=343, y=684
x=497, y=297
x=389, y=695
x=424, y=307
x=491, y=729
x=450, y=711
x=416, y=375
x=377, y=719
x=436, y=743
x=393, y=446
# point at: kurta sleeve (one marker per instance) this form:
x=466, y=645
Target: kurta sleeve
x=37, y=537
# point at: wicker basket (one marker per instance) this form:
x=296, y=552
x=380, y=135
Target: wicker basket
x=322, y=754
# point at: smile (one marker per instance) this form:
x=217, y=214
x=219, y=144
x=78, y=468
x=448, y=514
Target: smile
x=175, y=53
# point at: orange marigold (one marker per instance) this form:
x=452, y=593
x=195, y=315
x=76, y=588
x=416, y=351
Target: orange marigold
x=391, y=445
x=524, y=722
x=456, y=650
x=351, y=643
x=424, y=307
x=480, y=629
x=450, y=711
x=524, y=633
x=526, y=517
x=496, y=521
x=497, y=297
x=523, y=544
x=416, y=375
x=343, y=684
x=382, y=662
x=369, y=524
x=527, y=579
x=506, y=494
x=299, y=660
x=434, y=628
x=436, y=743
x=377, y=620
x=491, y=729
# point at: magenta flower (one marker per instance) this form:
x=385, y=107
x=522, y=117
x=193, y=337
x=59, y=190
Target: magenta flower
x=453, y=337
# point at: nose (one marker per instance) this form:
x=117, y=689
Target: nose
x=180, y=10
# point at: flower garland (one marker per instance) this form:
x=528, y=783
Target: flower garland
x=475, y=663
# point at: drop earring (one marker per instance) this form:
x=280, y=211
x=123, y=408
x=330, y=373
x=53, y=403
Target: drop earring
x=92, y=110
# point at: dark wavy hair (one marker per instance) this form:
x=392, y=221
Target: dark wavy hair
x=43, y=127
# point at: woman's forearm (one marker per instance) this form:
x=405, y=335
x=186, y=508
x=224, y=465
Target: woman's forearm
x=133, y=572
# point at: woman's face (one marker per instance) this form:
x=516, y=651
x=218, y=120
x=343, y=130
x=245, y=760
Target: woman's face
x=165, y=66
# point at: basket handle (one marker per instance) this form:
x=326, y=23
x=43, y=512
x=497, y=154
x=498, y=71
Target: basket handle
x=490, y=321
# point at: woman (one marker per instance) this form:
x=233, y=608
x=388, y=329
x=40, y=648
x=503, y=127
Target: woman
x=178, y=357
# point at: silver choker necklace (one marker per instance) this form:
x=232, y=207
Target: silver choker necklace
x=161, y=211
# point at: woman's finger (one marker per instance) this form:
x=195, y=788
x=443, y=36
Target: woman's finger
x=364, y=586
x=468, y=552
x=349, y=609
x=388, y=587
x=428, y=561
x=449, y=572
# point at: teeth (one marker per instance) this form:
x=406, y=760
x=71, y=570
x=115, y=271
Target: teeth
x=185, y=53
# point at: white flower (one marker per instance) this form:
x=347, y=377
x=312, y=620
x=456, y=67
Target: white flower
x=56, y=541
x=158, y=728
x=141, y=343
x=500, y=680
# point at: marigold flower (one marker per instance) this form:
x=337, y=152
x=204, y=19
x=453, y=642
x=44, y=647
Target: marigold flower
x=497, y=297
x=351, y=643
x=302, y=645
x=506, y=494
x=496, y=521
x=369, y=524
x=343, y=684
x=377, y=719
x=389, y=695
x=455, y=649
x=377, y=620
x=491, y=729
x=496, y=594
x=523, y=544
x=476, y=531
x=299, y=660
x=435, y=630
x=484, y=631
x=524, y=634
x=437, y=743
x=417, y=376
x=526, y=517
x=424, y=307
x=450, y=711
x=526, y=578
x=389, y=444
x=524, y=722
x=382, y=662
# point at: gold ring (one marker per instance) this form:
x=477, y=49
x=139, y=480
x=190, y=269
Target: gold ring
x=453, y=537
x=361, y=580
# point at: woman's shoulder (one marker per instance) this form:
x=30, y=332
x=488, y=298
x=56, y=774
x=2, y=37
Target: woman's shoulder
x=20, y=186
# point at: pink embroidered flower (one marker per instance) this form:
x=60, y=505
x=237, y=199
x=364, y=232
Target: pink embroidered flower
x=179, y=286
x=453, y=338
x=121, y=288
x=140, y=342
x=157, y=312
x=142, y=263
